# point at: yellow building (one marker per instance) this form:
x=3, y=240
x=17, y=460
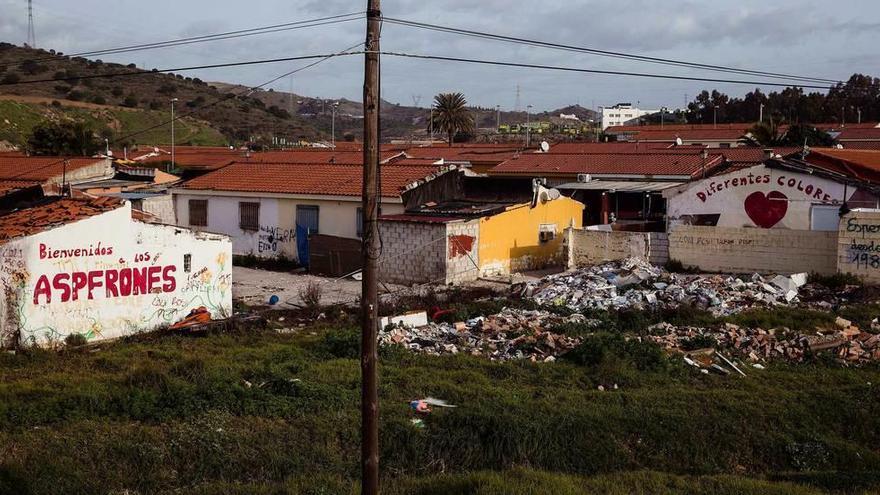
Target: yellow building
x=459, y=228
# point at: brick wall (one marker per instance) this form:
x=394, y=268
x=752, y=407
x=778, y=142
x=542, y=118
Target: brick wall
x=859, y=245
x=740, y=250
x=590, y=247
x=412, y=252
x=462, y=251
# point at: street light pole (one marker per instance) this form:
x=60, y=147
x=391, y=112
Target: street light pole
x=497, y=118
x=528, y=126
x=333, y=124
x=761, y=115
x=714, y=116
x=172, y=132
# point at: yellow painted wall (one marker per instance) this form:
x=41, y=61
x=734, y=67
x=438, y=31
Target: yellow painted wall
x=509, y=241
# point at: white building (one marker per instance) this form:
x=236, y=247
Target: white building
x=621, y=114
x=85, y=267
x=260, y=205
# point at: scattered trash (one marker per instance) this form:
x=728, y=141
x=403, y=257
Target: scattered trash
x=635, y=283
x=418, y=423
x=411, y=319
x=510, y=334
x=423, y=406
x=850, y=345
x=197, y=316
x=273, y=300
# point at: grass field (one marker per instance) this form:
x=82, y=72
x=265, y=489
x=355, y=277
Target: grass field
x=23, y=117
x=270, y=413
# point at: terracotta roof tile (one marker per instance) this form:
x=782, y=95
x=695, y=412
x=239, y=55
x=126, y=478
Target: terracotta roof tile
x=662, y=163
x=42, y=217
x=859, y=164
x=320, y=179
x=8, y=186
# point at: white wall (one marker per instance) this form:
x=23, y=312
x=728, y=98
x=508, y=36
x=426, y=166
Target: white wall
x=42, y=270
x=755, y=197
x=277, y=234
x=620, y=116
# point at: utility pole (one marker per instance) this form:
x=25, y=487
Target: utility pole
x=761, y=114
x=714, y=116
x=333, y=109
x=497, y=118
x=370, y=253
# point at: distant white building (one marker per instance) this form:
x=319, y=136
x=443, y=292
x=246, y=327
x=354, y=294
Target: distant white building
x=622, y=113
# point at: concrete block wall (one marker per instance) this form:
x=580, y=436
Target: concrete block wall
x=743, y=250
x=590, y=247
x=462, y=251
x=858, y=250
x=413, y=252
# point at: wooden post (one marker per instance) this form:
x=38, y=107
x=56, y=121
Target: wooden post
x=370, y=253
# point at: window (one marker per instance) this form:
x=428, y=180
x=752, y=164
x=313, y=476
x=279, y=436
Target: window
x=198, y=212
x=187, y=263
x=824, y=217
x=249, y=216
x=307, y=218
x=359, y=222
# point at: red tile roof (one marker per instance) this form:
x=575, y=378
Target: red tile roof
x=663, y=163
x=611, y=147
x=320, y=179
x=314, y=155
x=859, y=164
x=42, y=217
x=678, y=127
x=40, y=168
x=470, y=153
x=8, y=186
x=861, y=145
x=865, y=133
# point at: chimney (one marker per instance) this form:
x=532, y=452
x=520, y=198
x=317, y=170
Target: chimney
x=768, y=153
x=704, y=154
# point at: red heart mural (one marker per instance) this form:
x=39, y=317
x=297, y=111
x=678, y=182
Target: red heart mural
x=766, y=210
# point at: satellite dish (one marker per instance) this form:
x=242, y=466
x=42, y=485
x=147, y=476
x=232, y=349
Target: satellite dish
x=155, y=149
x=545, y=146
x=110, y=153
x=678, y=141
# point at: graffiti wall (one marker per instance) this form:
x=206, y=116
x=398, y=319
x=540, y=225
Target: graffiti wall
x=108, y=276
x=859, y=244
x=755, y=197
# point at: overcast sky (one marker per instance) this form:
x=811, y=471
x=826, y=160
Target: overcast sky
x=814, y=38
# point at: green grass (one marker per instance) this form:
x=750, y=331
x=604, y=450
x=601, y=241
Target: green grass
x=267, y=413
x=22, y=118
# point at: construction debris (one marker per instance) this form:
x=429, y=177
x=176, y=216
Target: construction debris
x=635, y=283
x=849, y=345
x=510, y=334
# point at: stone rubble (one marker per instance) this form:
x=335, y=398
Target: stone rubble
x=849, y=344
x=510, y=334
x=635, y=283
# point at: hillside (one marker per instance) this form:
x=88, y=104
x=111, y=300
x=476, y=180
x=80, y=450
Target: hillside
x=131, y=103
x=122, y=108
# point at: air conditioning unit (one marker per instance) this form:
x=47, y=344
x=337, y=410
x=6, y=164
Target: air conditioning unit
x=547, y=232
x=584, y=178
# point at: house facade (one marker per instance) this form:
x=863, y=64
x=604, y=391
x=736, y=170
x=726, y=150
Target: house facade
x=85, y=267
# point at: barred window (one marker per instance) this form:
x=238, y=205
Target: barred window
x=198, y=212
x=249, y=216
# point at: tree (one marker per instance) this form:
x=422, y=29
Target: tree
x=451, y=115
x=63, y=138
x=767, y=133
x=800, y=135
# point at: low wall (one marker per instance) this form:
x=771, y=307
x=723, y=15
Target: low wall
x=859, y=245
x=590, y=247
x=741, y=250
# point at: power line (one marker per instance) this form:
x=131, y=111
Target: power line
x=179, y=69
x=245, y=92
x=605, y=53
x=275, y=28
x=595, y=71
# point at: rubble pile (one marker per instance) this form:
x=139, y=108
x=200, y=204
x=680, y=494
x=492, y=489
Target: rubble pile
x=849, y=344
x=510, y=334
x=635, y=283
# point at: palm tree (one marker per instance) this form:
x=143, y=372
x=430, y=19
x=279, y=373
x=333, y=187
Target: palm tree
x=767, y=134
x=451, y=115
